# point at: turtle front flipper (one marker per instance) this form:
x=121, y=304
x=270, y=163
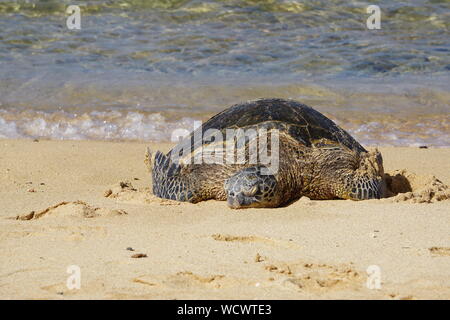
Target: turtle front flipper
x=250, y=188
x=168, y=180
x=366, y=182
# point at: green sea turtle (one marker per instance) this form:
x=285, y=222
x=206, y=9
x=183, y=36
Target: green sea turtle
x=315, y=158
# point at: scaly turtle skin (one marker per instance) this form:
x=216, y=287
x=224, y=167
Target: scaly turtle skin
x=316, y=159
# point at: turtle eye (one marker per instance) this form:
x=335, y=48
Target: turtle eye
x=251, y=192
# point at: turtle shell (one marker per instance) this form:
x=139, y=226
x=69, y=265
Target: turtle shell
x=301, y=122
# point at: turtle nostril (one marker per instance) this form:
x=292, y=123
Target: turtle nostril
x=232, y=194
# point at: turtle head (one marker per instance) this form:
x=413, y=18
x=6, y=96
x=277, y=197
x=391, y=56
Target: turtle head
x=249, y=188
x=367, y=181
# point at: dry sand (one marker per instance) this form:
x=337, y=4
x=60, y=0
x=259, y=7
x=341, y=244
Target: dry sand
x=84, y=203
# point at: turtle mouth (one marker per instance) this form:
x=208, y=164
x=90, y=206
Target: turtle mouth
x=239, y=200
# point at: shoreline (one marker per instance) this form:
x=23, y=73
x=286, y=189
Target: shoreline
x=92, y=202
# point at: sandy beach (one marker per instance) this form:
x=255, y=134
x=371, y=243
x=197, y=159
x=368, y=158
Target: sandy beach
x=89, y=204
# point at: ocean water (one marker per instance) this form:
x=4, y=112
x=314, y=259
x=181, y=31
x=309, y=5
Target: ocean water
x=137, y=70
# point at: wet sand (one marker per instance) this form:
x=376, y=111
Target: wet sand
x=89, y=204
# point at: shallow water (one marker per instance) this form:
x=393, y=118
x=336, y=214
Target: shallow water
x=139, y=69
